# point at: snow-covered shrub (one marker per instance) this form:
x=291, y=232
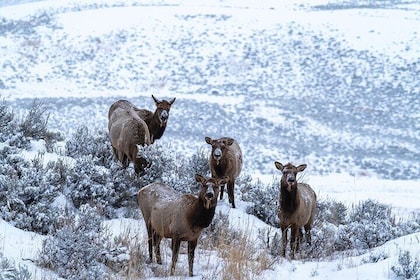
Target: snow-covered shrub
x=8, y=270
x=8, y=132
x=7, y=126
x=88, y=183
x=408, y=226
x=127, y=255
x=323, y=237
x=35, y=126
x=407, y=267
x=219, y=232
x=184, y=178
x=77, y=249
x=125, y=186
x=162, y=167
x=271, y=242
x=106, y=188
x=375, y=256
x=263, y=198
x=344, y=238
x=330, y=211
x=27, y=194
x=98, y=146
x=371, y=224
x=35, y=123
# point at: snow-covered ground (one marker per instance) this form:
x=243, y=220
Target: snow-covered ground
x=319, y=82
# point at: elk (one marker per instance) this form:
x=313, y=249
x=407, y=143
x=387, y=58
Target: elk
x=225, y=160
x=168, y=214
x=156, y=122
x=126, y=131
x=297, y=205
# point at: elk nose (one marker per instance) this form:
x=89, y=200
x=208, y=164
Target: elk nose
x=217, y=152
x=164, y=115
x=209, y=195
x=290, y=178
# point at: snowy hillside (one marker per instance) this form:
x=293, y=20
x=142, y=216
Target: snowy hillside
x=333, y=84
x=286, y=76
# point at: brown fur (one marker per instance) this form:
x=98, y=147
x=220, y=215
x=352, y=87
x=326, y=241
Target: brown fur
x=179, y=217
x=297, y=205
x=229, y=163
x=127, y=130
x=156, y=122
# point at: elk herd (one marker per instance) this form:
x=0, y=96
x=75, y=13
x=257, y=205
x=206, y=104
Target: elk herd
x=182, y=217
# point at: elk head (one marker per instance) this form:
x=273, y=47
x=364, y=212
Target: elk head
x=289, y=172
x=162, y=109
x=210, y=188
x=218, y=147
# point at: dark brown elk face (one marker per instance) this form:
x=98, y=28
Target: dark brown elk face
x=218, y=147
x=162, y=109
x=289, y=171
x=210, y=188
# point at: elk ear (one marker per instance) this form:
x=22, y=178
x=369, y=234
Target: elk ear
x=301, y=167
x=208, y=140
x=229, y=142
x=200, y=179
x=155, y=99
x=278, y=165
x=172, y=101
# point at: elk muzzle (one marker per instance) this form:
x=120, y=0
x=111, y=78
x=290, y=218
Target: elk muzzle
x=217, y=154
x=163, y=117
x=208, y=198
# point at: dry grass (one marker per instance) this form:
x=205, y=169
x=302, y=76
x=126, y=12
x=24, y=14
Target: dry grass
x=244, y=257
x=128, y=260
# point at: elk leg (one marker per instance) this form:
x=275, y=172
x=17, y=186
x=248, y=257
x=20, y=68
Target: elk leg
x=123, y=159
x=156, y=239
x=299, y=238
x=175, y=252
x=191, y=249
x=293, y=242
x=284, y=240
x=308, y=234
x=231, y=193
x=222, y=189
x=115, y=152
x=150, y=241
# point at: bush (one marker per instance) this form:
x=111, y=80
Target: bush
x=264, y=199
x=184, y=179
x=8, y=270
x=371, y=224
x=98, y=146
x=77, y=249
x=218, y=232
x=172, y=169
x=88, y=183
x=7, y=126
x=407, y=267
x=35, y=124
x=323, y=241
x=331, y=212
x=27, y=195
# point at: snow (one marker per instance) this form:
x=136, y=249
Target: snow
x=391, y=32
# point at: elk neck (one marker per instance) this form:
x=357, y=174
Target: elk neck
x=202, y=217
x=289, y=201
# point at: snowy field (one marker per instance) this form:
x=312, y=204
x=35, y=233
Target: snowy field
x=332, y=84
